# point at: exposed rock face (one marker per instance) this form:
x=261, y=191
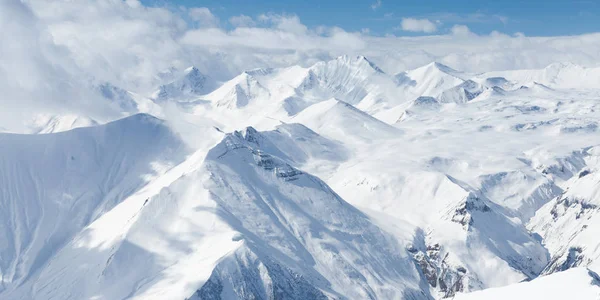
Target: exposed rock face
x=192, y=83
x=244, y=275
x=569, y=223
x=463, y=212
x=443, y=277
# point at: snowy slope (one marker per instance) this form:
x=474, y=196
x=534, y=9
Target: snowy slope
x=340, y=120
x=431, y=79
x=283, y=93
x=46, y=123
x=350, y=79
x=335, y=180
x=514, y=178
x=578, y=283
x=558, y=75
x=238, y=92
x=56, y=184
x=570, y=223
x=118, y=97
x=266, y=228
x=286, y=92
x=297, y=228
x=189, y=85
x=462, y=93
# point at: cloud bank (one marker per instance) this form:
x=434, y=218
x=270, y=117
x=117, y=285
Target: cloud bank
x=60, y=46
x=418, y=25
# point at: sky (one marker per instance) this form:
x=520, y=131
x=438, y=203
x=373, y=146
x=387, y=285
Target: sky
x=531, y=17
x=60, y=51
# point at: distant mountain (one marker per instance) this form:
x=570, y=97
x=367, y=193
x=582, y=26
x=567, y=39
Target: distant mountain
x=58, y=123
x=188, y=86
x=341, y=121
x=329, y=181
x=238, y=92
x=430, y=80
x=558, y=75
x=119, y=97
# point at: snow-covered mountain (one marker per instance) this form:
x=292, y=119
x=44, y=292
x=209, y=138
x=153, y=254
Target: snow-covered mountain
x=569, y=223
x=332, y=181
x=578, y=283
x=430, y=80
x=47, y=123
x=559, y=75
x=188, y=85
x=54, y=185
x=119, y=97
x=238, y=92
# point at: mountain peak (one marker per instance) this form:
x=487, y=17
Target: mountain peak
x=358, y=60
x=430, y=79
x=193, y=73
x=436, y=68
x=441, y=67
x=191, y=69
x=239, y=92
x=191, y=83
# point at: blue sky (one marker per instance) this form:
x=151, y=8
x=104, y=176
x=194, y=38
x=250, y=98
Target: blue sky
x=531, y=17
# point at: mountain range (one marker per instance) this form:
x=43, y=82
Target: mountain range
x=332, y=181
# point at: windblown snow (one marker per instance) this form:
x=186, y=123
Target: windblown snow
x=333, y=181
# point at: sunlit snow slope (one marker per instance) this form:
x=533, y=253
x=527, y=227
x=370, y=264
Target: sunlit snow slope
x=332, y=181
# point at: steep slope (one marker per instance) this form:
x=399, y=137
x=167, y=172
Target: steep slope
x=522, y=192
x=570, y=224
x=430, y=80
x=238, y=92
x=58, y=123
x=579, y=283
x=282, y=93
x=481, y=182
x=263, y=227
x=350, y=79
x=295, y=226
x=118, y=97
x=189, y=86
x=427, y=89
x=300, y=146
x=286, y=92
x=342, y=121
x=462, y=93
x=56, y=184
x=441, y=170
x=466, y=241
x=491, y=156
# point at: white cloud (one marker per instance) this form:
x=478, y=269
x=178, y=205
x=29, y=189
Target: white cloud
x=260, y=39
x=36, y=74
x=376, y=5
x=203, y=16
x=62, y=47
x=460, y=30
x=242, y=21
x=286, y=23
x=418, y=25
